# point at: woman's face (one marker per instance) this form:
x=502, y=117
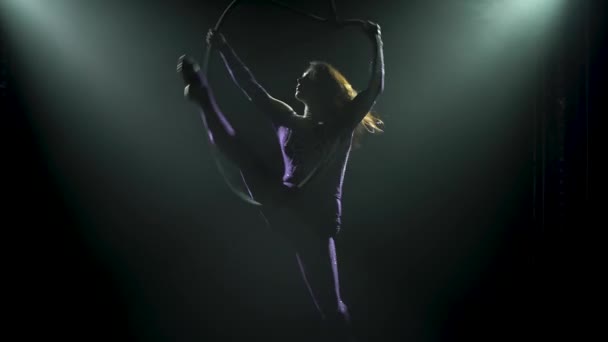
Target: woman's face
x=304, y=86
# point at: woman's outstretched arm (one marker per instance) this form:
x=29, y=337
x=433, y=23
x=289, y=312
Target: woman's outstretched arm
x=364, y=101
x=278, y=111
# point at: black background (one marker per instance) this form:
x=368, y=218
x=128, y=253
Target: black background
x=528, y=290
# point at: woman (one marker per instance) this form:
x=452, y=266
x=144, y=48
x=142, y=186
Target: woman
x=302, y=201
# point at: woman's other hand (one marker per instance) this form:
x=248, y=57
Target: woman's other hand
x=370, y=28
x=215, y=39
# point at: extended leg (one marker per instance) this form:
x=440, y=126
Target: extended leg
x=263, y=179
x=319, y=265
x=220, y=131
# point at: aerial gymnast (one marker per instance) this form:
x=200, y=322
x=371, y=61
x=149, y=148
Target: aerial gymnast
x=302, y=200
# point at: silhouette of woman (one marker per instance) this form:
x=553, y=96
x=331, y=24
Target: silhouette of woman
x=301, y=201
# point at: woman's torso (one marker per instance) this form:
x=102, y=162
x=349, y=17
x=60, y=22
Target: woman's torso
x=316, y=160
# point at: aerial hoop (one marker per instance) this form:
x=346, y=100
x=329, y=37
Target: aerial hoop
x=333, y=20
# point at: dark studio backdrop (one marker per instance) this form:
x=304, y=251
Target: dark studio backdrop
x=119, y=226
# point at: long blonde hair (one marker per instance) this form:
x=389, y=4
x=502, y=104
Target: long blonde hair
x=342, y=91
